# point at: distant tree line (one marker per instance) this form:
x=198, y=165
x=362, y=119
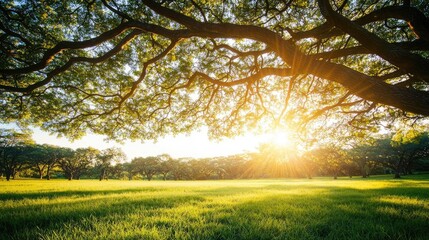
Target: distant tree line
x=20, y=156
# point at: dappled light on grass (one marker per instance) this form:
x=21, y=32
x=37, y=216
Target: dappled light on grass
x=378, y=208
x=403, y=201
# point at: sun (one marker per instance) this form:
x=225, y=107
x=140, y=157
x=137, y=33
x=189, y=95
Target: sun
x=279, y=137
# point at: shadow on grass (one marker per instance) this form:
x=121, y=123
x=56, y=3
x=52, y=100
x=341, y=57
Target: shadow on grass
x=71, y=193
x=21, y=220
x=333, y=213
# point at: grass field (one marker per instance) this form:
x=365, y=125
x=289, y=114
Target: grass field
x=374, y=208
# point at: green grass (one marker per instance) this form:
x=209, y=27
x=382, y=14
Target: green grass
x=374, y=208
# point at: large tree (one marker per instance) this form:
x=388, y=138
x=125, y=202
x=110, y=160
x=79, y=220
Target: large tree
x=144, y=68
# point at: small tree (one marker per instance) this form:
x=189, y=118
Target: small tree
x=76, y=164
x=364, y=157
x=402, y=151
x=13, y=146
x=36, y=159
x=128, y=170
x=330, y=159
x=107, y=159
x=310, y=164
x=201, y=168
x=166, y=165
x=54, y=156
x=231, y=167
x=148, y=166
x=179, y=169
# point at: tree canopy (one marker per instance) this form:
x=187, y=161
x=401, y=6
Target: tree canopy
x=145, y=68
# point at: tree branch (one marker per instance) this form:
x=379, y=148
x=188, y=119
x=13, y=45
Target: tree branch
x=263, y=72
x=358, y=83
x=50, y=54
x=108, y=35
x=413, y=63
x=70, y=63
x=416, y=45
x=117, y=11
x=416, y=19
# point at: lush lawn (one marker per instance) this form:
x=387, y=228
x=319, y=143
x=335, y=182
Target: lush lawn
x=375, y=208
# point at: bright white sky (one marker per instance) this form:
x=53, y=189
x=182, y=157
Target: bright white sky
x=196, y=145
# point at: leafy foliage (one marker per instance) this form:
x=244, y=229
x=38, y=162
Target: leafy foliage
x=15, y=147
x=143, y=69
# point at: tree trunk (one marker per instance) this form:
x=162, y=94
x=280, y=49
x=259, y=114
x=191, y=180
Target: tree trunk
x=48, y=173
x=363, y=171
x=409, y=167
x=40, y=174
x=8, y=175
x=398, y=168
x=397, y=172
x=103, y=174
x=397, y=175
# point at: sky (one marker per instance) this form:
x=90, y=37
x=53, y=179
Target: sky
x=196, y=145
